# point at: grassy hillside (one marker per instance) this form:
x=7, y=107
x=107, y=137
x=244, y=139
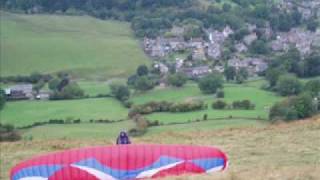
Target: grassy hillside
x=22, y=113
x=283, y=151
x=87, y=47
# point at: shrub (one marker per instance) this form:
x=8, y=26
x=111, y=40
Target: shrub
x=127, y=104
x=205, y=117
x=219, y=105
x=210, y=83
x=120, y=92
x=293, y=108
x=288, y=85
x=220, y=94
x=178, y=79
x=70, y=91
x=165, y=106
x=8, y=133
x=244, y=104
x=141, y=126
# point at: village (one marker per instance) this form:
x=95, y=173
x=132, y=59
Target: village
x=208, y=54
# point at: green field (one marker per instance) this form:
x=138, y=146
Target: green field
x=93, y=88
x=262, y=99
x=22, y=113
x=78, y=131
x=26, y=112
x=84, y=46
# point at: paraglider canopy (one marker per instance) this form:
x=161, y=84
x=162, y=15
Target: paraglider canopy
x=122, y=163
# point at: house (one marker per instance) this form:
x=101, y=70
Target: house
x=176, y=43
x=196, y=43
x=240, y=47
x=19, y=92
x=219, y=69
x=258, y=65
x=297, y=37
x=196, y=72
x=198, y=54
x=248, y=39
x=155, y=47
x=162, y=68
x=43, y=95
x=227, y=31
x=158, y=51
x=214, y=50
x=218, y=37
x=179, y=63
x=252, y=64
x=238, y=63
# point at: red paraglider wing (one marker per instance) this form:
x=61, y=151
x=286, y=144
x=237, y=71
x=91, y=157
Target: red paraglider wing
x=122, y=162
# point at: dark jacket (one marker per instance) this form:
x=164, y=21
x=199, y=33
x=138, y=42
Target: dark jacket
x=123, y=138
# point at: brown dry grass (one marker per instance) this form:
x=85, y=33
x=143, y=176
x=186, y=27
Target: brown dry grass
x=284, y=151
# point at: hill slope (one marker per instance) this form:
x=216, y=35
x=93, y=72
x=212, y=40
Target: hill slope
x=284, y=151
x=85, y=46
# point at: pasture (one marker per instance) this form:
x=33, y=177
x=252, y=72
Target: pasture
x=23, y=113
x=262, y=99
x=84, y=46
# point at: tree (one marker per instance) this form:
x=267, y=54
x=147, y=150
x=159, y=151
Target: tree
x=2, y=99
x=121, y=92
x=35, y=77
x=230, y=73
x=178, y=79
x=142, y=70
x=312, y=24
x=53, y=84
x=290, y=60
x=313, y=86
x=303, y=105
x=226, y=7
x=219, y=104
x=37, y=87
x=288, y=85
x=259, y=47
x=211, y=83
x=144, y=83
x=273, y=75
x=242, y=75
x=70, y=91
x=312, y=65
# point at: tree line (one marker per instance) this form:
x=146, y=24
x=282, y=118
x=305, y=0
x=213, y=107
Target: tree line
x=153, y=17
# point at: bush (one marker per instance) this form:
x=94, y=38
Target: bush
x=120, y=92
x=219, y=105
x=127, y=104
x=210, y=83
x=288, y=85
x=293, y=108
x=205, y=117
x=178, y=79
x=8, y=133
x=141, y=126
x=220, y=94
x=244, y=104
x=32, y=78
x=70, y=91
x=165, y=106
